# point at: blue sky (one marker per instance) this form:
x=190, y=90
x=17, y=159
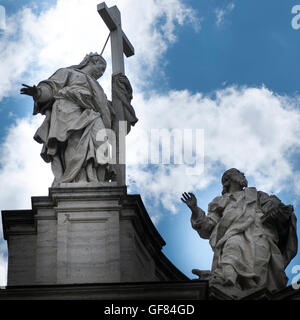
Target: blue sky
x=254, y=45
x=228, y=67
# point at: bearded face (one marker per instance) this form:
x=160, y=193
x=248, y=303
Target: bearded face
x=233, y=175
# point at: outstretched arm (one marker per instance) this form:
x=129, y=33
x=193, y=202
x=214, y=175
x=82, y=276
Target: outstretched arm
x=41, y=93
x=200, y=222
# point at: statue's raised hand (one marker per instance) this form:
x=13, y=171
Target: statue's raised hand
x=189, y=199
x=28, y=90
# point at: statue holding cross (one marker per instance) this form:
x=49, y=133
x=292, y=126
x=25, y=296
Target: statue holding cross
x=79, y=119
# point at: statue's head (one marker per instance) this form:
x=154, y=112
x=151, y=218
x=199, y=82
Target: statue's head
x=95, y=63
x=233, y=175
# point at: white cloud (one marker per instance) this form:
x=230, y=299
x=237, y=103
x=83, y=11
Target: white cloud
x=22, y=174
x=34, y=46
x=248, y=128
x=22, y=171
x=251, y=129
x=221, y=13
x=256, y=116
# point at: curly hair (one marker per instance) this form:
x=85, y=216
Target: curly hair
x=233, y=175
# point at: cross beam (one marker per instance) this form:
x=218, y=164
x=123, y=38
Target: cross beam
x=119, y=45
x=119, y=42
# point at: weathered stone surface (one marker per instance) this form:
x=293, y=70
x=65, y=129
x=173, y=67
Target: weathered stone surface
x=183, y=290
x=167, y=290
x=253, y=236
x=85, y=234
x=80, y=122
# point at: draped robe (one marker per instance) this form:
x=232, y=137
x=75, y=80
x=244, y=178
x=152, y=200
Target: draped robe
x=257, y=251
x=76, y=108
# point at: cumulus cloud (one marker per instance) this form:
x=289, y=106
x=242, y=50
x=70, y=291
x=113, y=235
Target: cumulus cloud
x=21, y=170
x=34, y=45
x=22, y=174
x=222, y=12
x=252, y=129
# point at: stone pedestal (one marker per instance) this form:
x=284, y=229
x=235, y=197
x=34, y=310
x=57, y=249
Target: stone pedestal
x=97, y=242
x=84, y=234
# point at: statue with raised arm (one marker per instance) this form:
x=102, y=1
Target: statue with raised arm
x=253, y=236
x=76, y=109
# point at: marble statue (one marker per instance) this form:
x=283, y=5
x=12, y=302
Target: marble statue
x=252, y=234
x=76, y=109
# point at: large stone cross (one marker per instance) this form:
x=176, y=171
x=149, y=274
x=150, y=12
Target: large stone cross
x=119, y=42
x=119, y=45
